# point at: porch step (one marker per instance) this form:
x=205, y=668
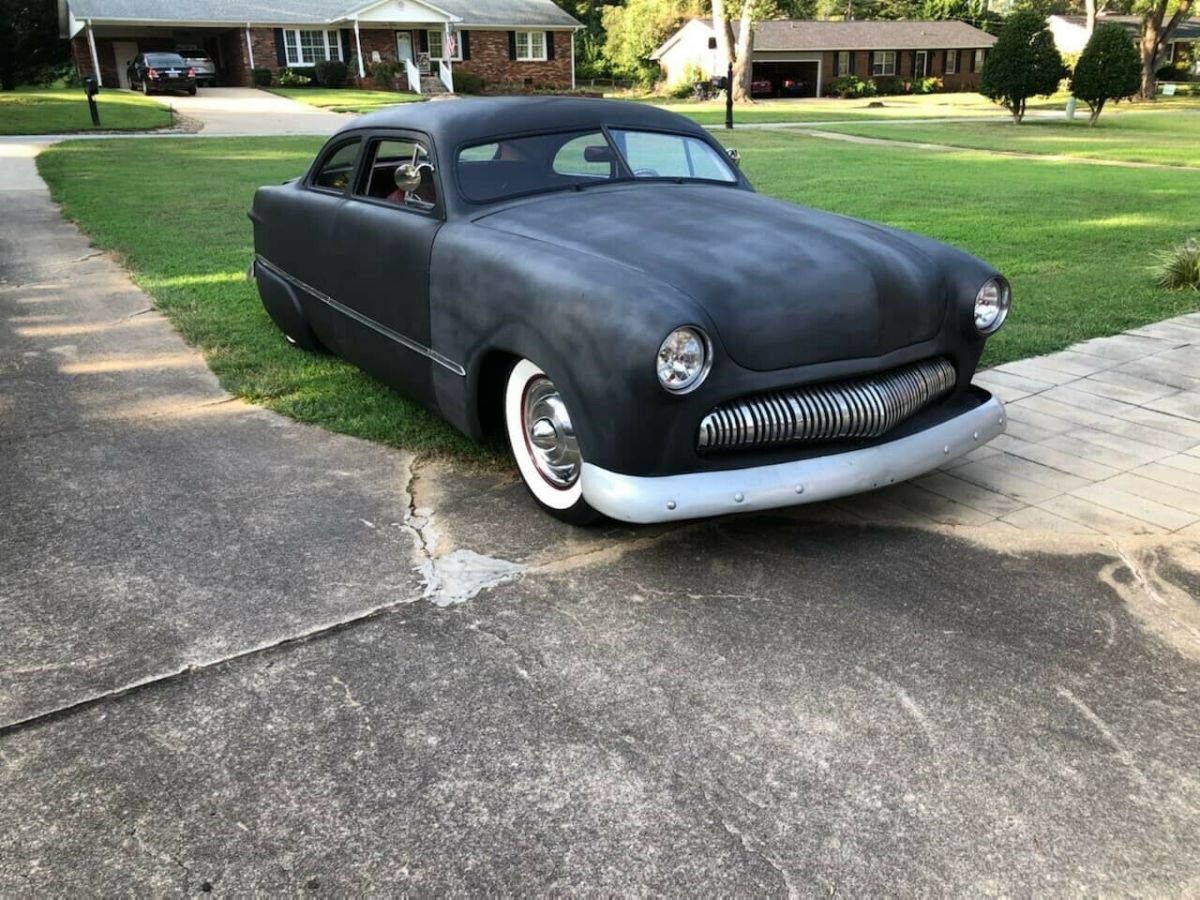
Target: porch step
x=431, y=84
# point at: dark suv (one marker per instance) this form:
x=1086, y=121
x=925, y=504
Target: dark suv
x=206, y=69
x=150, y=72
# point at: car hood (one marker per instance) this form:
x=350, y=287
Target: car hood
x=784, y=285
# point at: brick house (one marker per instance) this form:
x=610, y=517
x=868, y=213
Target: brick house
x=814, y=53
x=521, y=42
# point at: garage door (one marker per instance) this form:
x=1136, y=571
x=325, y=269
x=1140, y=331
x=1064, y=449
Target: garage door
x=789, y=79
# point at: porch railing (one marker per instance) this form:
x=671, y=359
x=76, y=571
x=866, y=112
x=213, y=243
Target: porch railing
x=446, y=74
x=414, y=76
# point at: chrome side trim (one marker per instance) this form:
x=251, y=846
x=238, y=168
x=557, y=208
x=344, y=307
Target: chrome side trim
x=865, y=407
x=633, y=498
x=396, y=336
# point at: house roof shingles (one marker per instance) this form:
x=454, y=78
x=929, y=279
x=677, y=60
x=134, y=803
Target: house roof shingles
x=1188, y=30
x=795, y=34
x=540, y=13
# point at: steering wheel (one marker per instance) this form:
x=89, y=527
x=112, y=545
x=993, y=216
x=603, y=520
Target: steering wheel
x=645, y=173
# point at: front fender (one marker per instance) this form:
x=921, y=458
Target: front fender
x=592, y=325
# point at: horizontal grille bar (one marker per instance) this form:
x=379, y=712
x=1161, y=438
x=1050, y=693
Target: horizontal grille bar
x=864, y=407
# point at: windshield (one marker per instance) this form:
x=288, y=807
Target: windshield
x=546, y=162
x=194, y=54
x=164, y=59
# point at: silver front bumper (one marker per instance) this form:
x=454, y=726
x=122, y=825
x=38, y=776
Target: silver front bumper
x=666, y=498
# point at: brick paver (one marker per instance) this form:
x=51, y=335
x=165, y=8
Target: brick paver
x=1102, y=437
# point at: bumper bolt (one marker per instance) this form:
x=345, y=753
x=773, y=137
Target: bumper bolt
x=670, y=504
x=739, y=497
x=946, y=450
x=799, y=489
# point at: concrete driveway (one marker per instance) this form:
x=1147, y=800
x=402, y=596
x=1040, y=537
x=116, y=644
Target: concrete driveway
x=241, y=654
x=240, y=111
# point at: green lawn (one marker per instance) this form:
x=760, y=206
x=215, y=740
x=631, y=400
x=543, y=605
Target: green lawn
x=1135, y=134
x=60, y=111
x=1075, y=241
x=345, y=99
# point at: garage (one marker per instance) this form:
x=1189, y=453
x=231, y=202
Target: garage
x=116, y=45
x=790, y=78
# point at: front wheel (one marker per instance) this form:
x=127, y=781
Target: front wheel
x=544, y=444
x=146, y=88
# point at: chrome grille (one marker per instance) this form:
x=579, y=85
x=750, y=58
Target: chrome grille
x=864, y=407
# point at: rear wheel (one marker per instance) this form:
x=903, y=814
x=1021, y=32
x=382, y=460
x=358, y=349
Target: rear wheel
x=146, y=87
x=544, y=444
x=192, y=91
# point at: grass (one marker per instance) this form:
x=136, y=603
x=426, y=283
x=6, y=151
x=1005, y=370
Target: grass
x=345, y=99
x=63, y=111
x=1133, y=134
x=1077, y=244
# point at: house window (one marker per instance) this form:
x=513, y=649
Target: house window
x=531, y=45
x=951, y=62
x=306, y=48
x=842, y=64
x=437, y=46
x=883, y=63
x=979, y=54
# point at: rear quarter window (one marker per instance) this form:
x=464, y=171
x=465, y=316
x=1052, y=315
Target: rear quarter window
x=337, y=168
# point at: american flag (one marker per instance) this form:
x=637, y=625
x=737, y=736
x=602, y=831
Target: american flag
x=451, y=43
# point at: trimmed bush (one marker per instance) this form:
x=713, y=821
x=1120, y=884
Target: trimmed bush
x=384, y=72
x=1023, y=63
x=890, y=86
x=1178, y=269
x=297, y=76
x=1110, y=68
x=930, y=85
x=261, y=77
x=468, y=83
x=331, y=73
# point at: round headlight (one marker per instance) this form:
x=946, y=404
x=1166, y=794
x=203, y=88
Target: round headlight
x=683, y=360
x=991, y=305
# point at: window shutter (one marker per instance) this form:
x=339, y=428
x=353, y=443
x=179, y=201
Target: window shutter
x=971, y=59
x=836, y=73
x=347, y=46
x=912, y=64
x=512, y=45
x=871, y=62
x=549, y=45
x=464, y=44
x=853, y=53
x=423, y=40
x=280, y=52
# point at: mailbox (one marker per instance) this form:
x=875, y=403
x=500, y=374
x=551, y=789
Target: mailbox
x=91, y=87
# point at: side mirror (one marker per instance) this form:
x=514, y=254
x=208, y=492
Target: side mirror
x=734, y=155
x=408, y=175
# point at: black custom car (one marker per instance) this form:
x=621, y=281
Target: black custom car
x=599, y=280
x=157, y=72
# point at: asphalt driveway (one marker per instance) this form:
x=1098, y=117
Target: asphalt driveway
x=238, y=653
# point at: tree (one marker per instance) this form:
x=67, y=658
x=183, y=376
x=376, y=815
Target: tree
x=1108, y=69
x=1155, y=36
x=634, y=30
x=736, y=51
x=1023, y=63
x=30, y=48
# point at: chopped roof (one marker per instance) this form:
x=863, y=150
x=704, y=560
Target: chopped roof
x=1188, y=30
x=286, y=12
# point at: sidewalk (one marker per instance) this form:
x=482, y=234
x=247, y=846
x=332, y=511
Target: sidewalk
x=1102, y=438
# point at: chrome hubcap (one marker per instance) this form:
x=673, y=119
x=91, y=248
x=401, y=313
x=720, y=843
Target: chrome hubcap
x=550, y=435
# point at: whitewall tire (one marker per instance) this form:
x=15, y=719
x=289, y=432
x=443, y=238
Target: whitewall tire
x=543, y=443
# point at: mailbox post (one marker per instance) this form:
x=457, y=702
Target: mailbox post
x=92, y=88
x=729, y=97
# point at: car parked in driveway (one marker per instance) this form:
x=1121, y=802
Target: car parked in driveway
x=203, y=65
x=161, y=72
x=599, y=281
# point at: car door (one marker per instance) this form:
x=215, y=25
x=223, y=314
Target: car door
x=384, y=238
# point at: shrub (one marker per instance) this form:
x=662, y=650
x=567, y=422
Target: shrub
x=468, y=83
x=1023, y=63
x=262, y=77
x=850, y=86
x=930, y=85
x=331, y=73
x=1109, y=68
x=295, y=77
x=385, y=71
x=1178, y=269
x=890, y=86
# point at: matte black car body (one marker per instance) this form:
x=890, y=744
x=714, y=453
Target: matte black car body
x=160, y=72
x=587, y=283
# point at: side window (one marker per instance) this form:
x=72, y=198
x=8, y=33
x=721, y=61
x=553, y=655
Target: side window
x=338, y=167
x=588, y=155
x=401, y=173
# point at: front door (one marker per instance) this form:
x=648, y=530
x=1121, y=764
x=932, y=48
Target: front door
x=404, y=46
x=124, y=52
x=921, y=66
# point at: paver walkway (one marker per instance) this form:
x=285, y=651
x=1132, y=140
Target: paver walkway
x=1103, y=437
